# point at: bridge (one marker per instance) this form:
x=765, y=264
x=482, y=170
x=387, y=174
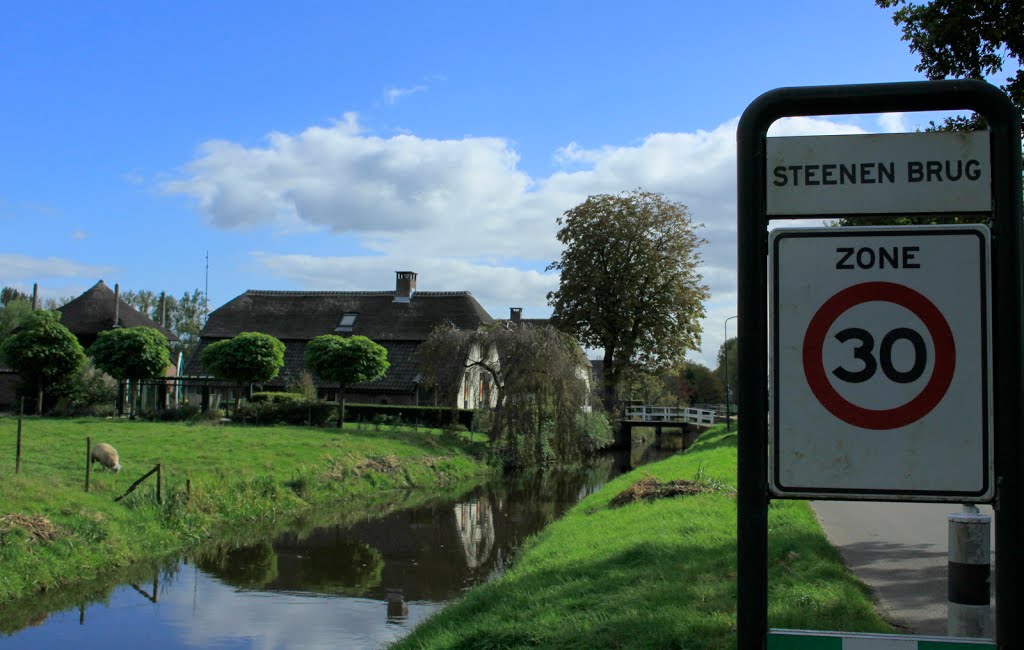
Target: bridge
x=659, y=417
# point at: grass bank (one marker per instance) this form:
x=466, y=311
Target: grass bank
x=245, y=483
x=655, y=574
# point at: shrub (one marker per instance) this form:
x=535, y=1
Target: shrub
x=181, y=413
x=294, y=409
x=273, y=397
x=427, y=416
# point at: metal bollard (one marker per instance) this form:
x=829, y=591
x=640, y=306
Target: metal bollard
x=970, y=571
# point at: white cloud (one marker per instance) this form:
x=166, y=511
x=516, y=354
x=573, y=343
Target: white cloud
x=394, y=94
x=16, y=267
x=79, y=235
x=461, y=212
x=892, y=123
x=496, y=287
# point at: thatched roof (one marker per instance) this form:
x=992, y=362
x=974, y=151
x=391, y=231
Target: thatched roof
x=296, y=317
x=93, y=312
x=304, y=315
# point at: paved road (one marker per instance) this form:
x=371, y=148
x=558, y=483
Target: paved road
x=899, y=550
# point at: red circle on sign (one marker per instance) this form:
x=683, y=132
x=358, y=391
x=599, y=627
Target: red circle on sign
x=858, y=416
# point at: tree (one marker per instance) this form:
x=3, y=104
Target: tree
x=538, y=375
x=184, y=316
x=698, y=385
x=132, y=354
x=629, y=282
x=44, y=353
x=645, y=386
x=14, y=314
x=248, y=358
x=965, y=39
x=347, y=361
x=729, y=373
x=10, y=294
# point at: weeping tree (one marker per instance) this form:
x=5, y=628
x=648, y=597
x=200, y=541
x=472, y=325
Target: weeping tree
x=539, y=375
x=346, y=360
x=133, y=354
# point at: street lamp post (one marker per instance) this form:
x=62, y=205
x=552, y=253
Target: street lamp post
x=725, y=346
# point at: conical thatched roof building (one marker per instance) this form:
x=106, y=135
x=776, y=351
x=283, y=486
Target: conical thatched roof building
x=98, y=310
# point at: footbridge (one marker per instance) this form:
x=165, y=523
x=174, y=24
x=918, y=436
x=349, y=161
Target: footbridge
x=659, y=417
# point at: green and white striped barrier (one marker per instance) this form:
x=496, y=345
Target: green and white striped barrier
x=807, y=640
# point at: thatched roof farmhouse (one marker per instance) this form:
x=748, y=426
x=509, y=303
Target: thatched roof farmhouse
x=400, y=320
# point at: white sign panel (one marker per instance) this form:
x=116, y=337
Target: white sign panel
x=880, y=363
x=899, y=173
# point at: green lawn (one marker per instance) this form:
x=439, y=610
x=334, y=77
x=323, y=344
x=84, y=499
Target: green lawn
x=246, y=483
x=658, y=574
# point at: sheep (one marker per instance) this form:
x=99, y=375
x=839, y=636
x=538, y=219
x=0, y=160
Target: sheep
x=106, y=455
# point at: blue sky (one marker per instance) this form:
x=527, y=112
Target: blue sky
x=327, y=145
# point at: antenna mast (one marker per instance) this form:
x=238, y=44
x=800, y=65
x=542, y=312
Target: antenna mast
x=206, y=291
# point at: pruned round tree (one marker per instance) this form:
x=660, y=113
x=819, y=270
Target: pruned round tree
x=45, y=353
x=248, y=358
x=629, y=282
x=132, y=354
x=346, y=360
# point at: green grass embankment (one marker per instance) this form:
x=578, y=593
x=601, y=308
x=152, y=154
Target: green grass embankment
x=657, y=574
x=247, y=482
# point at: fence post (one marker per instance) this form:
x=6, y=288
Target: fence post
x=159, y=484
x=188, y=490
x=88, y=465
x=17, y=454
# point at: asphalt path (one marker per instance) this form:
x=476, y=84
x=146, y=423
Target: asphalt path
x=899, y=550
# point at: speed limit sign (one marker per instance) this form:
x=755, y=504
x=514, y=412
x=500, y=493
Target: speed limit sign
x=880, y=363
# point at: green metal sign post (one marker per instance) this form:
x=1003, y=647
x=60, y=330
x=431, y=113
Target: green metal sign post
x=758, y=203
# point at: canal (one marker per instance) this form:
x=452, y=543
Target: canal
x=361, y=585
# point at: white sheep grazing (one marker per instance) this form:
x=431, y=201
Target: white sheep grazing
x=106, y=455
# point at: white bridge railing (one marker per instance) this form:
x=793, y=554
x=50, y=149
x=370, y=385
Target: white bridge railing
x=669, y=414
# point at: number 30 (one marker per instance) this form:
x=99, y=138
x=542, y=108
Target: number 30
x=863, y=352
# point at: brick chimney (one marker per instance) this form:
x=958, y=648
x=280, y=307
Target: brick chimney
x=405, y=285
x=117, y=305
x=515, y=314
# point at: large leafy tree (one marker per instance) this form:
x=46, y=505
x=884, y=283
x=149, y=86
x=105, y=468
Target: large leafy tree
x=44, y=353
x=248, y=358
x=970, y=39
x=132, y=354
x=346, y=360
x=629, y=281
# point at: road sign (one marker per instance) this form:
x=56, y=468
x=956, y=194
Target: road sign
x=893, y=173
x=880, y=366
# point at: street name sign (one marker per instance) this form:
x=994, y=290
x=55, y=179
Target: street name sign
x=880, y=363
x=891, y=173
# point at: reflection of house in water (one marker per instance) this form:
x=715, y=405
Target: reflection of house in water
x=474, y=523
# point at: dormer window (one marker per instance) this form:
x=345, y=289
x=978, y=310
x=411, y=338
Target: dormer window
x=347, y=322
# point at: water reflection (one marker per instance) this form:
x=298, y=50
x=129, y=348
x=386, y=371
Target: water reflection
x=361, y=586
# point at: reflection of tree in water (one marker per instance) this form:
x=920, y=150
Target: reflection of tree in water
x=246, y=567
x=344, y=567
x=474, y=523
